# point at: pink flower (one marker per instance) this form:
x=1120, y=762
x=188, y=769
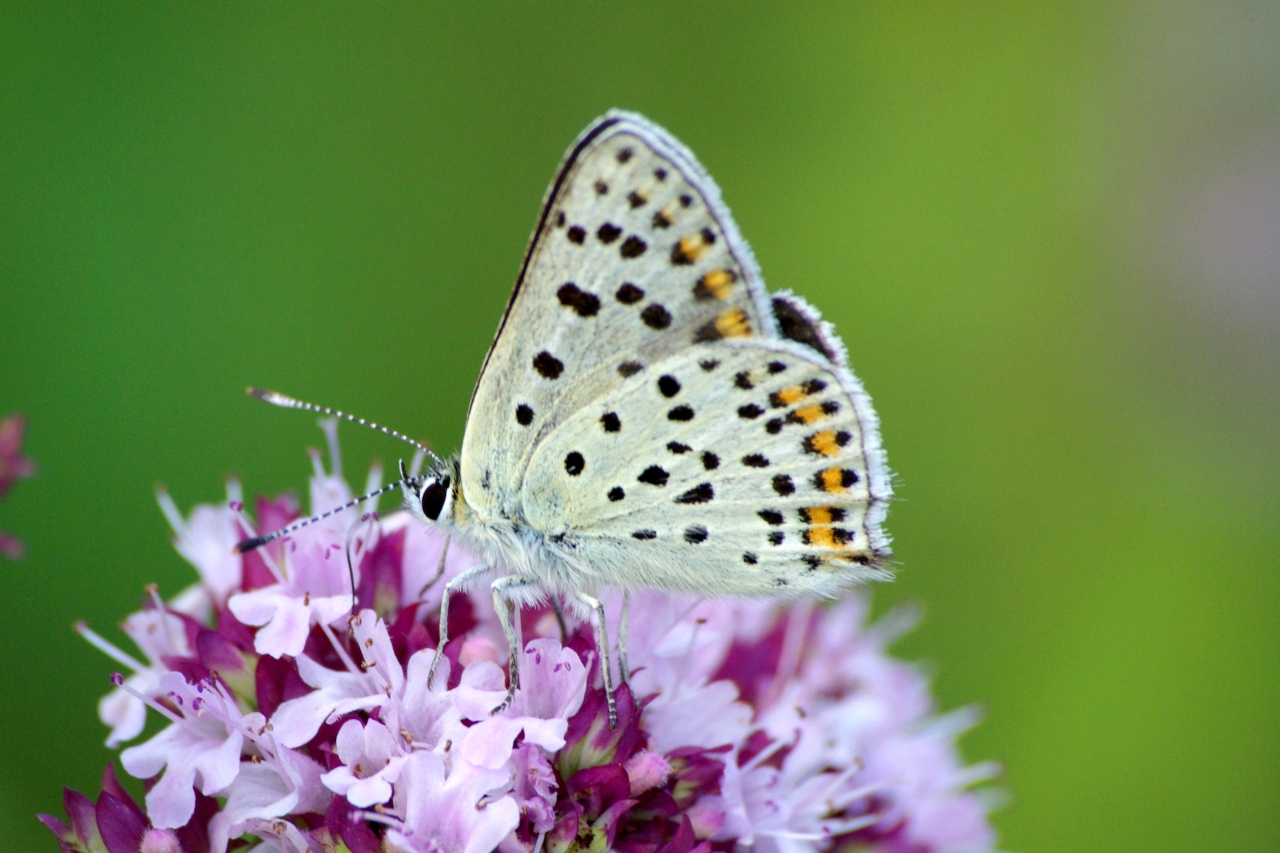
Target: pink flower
x=446, y=808
x=371, y=761
x=282, y=782
x=745, y=723
x=13, y=467
x=200, y=748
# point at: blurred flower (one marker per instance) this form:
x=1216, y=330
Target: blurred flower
x=298, y=724
x=13, y=467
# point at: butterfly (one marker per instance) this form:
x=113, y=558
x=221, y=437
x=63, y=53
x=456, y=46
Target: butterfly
x=649, y=415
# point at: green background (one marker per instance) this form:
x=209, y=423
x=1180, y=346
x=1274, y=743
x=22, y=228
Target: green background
x=1048, y=232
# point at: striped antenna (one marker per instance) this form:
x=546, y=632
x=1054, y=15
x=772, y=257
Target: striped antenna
x=277, y=399
x=259, y=541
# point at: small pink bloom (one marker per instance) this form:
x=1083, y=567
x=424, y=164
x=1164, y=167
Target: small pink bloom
x=451, y=810
x=285, y=783
x=201, y=747
x=13, y=467
x=371, y=761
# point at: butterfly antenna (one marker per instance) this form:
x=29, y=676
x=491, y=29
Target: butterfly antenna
x=277, y=399
x=258, y=541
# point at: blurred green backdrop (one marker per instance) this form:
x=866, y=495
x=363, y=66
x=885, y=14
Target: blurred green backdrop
x=1050, y=234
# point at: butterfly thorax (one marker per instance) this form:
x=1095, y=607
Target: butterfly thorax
x=497, y=535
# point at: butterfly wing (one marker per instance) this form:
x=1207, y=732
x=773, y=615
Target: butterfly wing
x=748, y=467
x=634, y=259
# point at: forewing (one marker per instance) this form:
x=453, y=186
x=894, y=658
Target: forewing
x=634, y=259
x=747, y=467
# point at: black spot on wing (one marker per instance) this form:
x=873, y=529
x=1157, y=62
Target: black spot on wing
x=524, y=415
x=695, y=534
x=574, y=463
x=654, y=475
x=668, y=385
x=577, y=234
x=680, y=413
x=699, y=494
x=584, y=304
x=611, y=422
x=608, y=232
x=547, y=365
x=629, y=368
x=632, y=247
x=629, y=294
x=656, y=317
x=616, y=494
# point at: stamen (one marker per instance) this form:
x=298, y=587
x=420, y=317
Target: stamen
x=792, y=651
x=235, y=492
x=330, y=427
x=118, y=680
x=171, y=513
x=317, y=465
x=763, y=755
x=973, y=775
x=371, y=484
x=108, y=648
x=415, y=465
x=379, y=817
x=252, y=542
x=342, y=653
x=153, y=590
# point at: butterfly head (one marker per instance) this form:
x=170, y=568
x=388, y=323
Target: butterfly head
x=431, y=496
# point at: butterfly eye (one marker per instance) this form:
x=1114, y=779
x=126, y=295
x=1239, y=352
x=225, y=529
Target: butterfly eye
x=432, y=497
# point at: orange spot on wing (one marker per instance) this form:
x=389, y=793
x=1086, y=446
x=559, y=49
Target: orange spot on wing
x=787, y=396
x=818, y=514
x=826, y=443
x=832, y=480
x=691, y=248
x=733, y=324
x=821, y=537
x=715, y=285
x=809, y=414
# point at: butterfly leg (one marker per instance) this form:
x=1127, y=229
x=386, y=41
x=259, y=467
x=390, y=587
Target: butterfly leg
x=602, y=646
x=555, y=608
x=624, y=669
x=457, y=583
x=444, y=552
x=501, y=589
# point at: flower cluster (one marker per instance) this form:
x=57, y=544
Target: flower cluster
x=13, y=467
x=298, y=720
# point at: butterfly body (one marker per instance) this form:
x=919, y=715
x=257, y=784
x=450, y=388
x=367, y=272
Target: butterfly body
x=649, y=415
